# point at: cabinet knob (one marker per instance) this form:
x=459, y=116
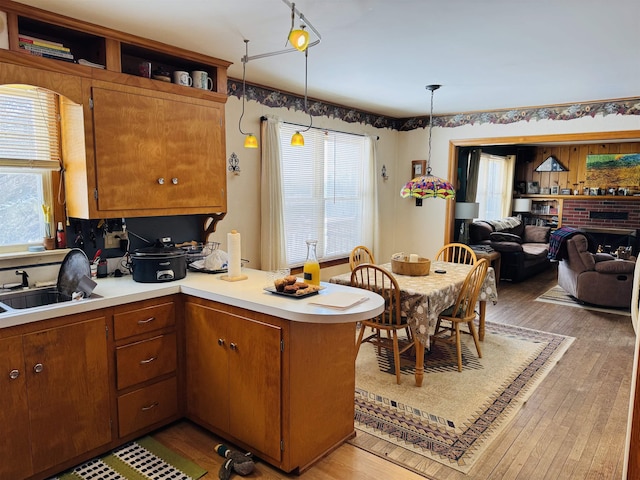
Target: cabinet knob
x=174, y=180
x=38, y=367
x=13, y=374
x=221, y=342
x=161, y=181
x=234, y=346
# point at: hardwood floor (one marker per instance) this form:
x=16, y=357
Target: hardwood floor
x=572, y=427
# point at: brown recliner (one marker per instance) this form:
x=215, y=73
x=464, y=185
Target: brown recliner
x=596, y=278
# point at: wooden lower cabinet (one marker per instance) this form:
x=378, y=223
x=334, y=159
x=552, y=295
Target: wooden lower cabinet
x=283, y=390
x=54, y=392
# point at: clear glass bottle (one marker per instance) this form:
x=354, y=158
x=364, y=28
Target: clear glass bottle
x=311, y=269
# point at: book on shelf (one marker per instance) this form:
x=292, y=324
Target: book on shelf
x=35, y=48
x=42, y=43
x=47, y=55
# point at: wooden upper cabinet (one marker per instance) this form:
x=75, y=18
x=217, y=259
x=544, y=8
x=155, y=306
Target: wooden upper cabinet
x=133, y=146
x=157, y=153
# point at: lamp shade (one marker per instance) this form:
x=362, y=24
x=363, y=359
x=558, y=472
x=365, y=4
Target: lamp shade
x=299, y=39
x=522, y=205
x=250, y=141
x=467, y=210
x=427, y=186
x=297, y=140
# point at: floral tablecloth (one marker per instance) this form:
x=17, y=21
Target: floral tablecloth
x=424, y=297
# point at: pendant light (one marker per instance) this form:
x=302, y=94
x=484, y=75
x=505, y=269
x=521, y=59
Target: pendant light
x=250, y=140
x=428, y=186
x=297, y=139
x=299, y=39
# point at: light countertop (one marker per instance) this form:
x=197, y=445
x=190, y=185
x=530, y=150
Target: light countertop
x=248, y=294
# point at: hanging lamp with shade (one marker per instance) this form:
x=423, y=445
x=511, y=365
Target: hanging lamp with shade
x=428, y=185
x=297, y=139
x=250, y=140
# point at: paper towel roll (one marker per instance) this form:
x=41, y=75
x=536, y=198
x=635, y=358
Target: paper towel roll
x=234, y=247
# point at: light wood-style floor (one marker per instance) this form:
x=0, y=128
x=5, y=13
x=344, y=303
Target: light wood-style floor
x=572, y=427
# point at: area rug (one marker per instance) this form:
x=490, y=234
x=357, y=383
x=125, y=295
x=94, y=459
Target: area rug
x=454, y=416
x=144, y=459
x=559, y=296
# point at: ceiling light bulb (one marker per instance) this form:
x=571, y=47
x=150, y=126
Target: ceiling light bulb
x=297, y=140
x=299, y=39
x=250, y=141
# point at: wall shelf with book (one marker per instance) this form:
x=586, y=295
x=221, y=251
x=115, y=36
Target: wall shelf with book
x=49, y=38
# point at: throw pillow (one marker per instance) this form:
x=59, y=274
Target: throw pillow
x=504, y=237
x=536, y=234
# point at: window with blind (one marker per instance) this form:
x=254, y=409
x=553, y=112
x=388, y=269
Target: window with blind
x=323, y=192
x=29, y=152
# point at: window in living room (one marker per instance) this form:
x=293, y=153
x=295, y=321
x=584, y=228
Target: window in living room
x=29, y=152
x=327, y=190
x=495, y=186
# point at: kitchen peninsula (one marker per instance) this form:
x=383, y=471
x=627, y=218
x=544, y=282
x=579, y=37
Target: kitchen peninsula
x=270, y=374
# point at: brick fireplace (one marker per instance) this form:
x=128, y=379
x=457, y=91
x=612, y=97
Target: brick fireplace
x=612, y=222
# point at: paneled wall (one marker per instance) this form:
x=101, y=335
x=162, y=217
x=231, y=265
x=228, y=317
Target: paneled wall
x=573, y=157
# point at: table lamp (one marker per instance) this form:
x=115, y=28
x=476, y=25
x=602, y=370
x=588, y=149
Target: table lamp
x=521, y=205
x=466, y=211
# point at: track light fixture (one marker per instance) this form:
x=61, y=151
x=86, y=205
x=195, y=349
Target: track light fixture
x=297, y=140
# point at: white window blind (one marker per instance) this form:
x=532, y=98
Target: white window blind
x=29, y=130
x=29, y=151
x=323, y=192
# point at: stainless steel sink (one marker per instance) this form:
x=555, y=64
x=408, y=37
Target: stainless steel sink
x=31, y=298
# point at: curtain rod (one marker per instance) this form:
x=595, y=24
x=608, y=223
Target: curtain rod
x=264, y=119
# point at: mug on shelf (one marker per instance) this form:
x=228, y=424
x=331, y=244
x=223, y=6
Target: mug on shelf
x=201, y=79
x=182, y=78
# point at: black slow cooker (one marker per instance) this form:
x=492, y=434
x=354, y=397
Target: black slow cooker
x=160, y=263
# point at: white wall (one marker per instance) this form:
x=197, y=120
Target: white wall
x=404, y=227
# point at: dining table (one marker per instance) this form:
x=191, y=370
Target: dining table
x=424, y=297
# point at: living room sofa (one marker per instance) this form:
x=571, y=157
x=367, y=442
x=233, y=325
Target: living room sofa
x=595, y=278
x=523, y=248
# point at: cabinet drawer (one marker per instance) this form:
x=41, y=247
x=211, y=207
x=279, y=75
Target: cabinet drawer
x=143, y=320
x=141, y=361
x=146, y=406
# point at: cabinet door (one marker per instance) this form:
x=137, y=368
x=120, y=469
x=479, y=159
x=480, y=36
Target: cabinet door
x=15, y=449
x=207, y=370
x=255, y=383
x=129, y=150
x=68, y=385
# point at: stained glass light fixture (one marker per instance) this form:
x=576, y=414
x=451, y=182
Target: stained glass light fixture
x=428, y=185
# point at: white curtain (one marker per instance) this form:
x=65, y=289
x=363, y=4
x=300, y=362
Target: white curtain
x=507, y=190
x=370, y=230
x=273, y=251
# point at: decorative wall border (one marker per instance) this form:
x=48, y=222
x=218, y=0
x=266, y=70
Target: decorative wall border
x=276, y=99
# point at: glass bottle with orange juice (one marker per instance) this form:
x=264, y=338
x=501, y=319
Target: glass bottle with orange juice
x=311, y=269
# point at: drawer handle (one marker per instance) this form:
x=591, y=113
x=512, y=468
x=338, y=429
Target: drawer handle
x=150, y=319
x=148, y=360
x=149, y=407
x=13, y=374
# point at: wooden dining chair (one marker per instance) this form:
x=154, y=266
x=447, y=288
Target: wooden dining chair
x=457, y=253
x=377, y=279
x=462, y=311
x=360, y=254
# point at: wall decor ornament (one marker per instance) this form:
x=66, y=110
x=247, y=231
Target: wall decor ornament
x=613, y=170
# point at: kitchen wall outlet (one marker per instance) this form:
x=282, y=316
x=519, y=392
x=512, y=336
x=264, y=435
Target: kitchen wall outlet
x=112, y=239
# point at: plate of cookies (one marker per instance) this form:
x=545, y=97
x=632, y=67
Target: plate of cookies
x=289, y=286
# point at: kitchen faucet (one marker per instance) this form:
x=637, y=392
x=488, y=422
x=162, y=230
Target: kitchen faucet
x=25, y=276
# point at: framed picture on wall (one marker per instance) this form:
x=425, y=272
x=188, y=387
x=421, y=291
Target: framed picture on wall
x=533, y=187
x=418, y=167
x=565, y=191
x=554, y=190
